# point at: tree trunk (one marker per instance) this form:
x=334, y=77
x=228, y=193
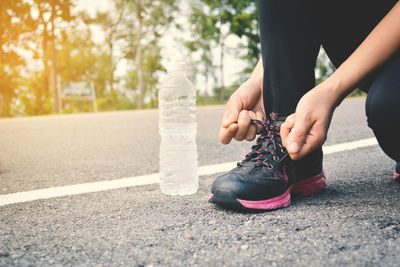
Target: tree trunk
x=45, y=63
x=54, y=62
x=221, y=66
x=111, y=63
x=206, y=89
x=39, y=101
x=6, y=105
x=2, y=106
x=138, y=60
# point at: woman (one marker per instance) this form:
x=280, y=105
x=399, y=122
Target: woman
x=362, y=39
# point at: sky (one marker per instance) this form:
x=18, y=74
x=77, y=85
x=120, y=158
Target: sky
x=171, y=49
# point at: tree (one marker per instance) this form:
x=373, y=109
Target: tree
x=80, y=59
x=145, y=24
x=213, y=30
x=242, y=18
x=48, y=12
x=151, y=65
x=221, y=18
x=201, y=27
x=15, y=21
x=324, y=67
x=112, y=25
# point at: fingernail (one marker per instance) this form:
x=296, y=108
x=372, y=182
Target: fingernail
x=294, y=147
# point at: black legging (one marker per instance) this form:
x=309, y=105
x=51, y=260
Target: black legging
x=291, y=35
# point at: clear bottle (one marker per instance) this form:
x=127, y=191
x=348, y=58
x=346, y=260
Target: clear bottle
x=177, y=127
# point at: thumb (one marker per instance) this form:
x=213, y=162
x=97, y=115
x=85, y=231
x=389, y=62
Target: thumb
x=286, y=127
x=232, y=110
x=297, y=136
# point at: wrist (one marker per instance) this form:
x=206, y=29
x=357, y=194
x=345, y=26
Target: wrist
x=257, y=76
x=255, y=82
x=336, y=88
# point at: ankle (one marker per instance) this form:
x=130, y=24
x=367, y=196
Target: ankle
x=310, y=165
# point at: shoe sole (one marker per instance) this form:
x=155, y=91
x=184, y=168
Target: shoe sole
x=307, y=187
x=396, y=176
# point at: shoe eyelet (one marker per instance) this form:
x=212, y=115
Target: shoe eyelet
x=283, y=151
x=276, y=158
x=270, y=167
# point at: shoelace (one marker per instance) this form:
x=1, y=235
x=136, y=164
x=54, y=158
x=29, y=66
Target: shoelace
x=269, y=133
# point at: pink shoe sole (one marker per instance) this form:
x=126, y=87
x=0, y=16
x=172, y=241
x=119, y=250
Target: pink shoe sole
x=396, y=176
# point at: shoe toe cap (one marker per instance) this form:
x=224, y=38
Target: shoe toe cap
x=236, y=185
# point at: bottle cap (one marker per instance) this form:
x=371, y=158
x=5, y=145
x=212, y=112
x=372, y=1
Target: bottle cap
x=178, y=66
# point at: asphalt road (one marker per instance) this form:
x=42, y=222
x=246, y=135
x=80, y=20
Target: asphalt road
x=354, y=221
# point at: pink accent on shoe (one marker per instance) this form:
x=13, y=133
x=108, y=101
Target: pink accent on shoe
x=279, y=174
x=396, y=176
x=310, y=186
x=210, y=196
x=268, y=204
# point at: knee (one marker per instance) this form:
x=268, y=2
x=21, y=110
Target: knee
x=381, y=106
x=383, y=112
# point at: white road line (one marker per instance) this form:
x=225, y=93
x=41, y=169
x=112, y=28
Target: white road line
x=146, y=179
x=349, y=145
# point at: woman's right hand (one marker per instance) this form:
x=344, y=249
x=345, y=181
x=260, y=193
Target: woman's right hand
x=242, y=106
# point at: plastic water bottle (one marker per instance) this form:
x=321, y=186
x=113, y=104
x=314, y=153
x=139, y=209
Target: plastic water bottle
x=177, y=127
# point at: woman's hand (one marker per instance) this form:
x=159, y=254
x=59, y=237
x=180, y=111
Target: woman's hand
x=309, y=125
x=242, y=106
x=306, y=130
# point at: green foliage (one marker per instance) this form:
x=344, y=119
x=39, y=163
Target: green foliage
x=34, y=100
x=145, y=23
x=115, y=101
x=151, y=65
x=80, y=59
x=50, y=12
x=15, y=23
x=203, y=99
x=202, y=31
x=27, y=89
x=242, y=18
x=211, y=23
x=132, y=31
x=323, y=68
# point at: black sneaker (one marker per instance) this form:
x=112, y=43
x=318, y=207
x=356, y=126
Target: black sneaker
x=396, y=175
x=267, y=176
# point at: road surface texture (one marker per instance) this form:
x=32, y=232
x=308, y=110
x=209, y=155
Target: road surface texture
x=355, y=221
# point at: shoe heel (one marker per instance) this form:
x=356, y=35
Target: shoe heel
x=310, y=186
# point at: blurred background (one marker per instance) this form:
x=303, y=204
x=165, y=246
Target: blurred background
x=68, y=56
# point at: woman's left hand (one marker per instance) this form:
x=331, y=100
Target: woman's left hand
x=306, y=129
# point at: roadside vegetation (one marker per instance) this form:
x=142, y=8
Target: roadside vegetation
x=48, y=47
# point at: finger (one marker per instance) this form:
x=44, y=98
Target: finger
x=232, y=110
x=286, y=127
x=315, y=139
x=252, y=115
x=243, y=125
x=251, y=133
x=226, y=134
x=297, y=136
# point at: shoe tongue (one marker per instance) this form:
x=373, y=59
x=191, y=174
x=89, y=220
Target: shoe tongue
x=278, y=122
x=269, y=145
